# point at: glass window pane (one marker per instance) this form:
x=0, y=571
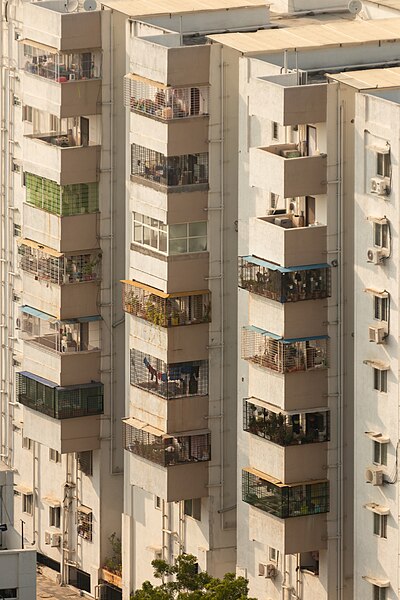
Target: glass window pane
x=198, y=244
x=147, y=235
x=137, y=233
x=178, y=246
x=178, y=231
x=163, y=241
x=198, y=229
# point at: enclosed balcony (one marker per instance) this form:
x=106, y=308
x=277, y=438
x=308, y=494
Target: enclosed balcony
x=61, y=200
x=48, y=398
x=65, y=154
x=164, y=449
x=284, y=284
x=166, y=310
x=185, y=172
x=283, y=170
x=163, y=102
x=65, y=352
x=284, y=355
x=286, y=429
x=65, y=84
x=284, y=501
x=289, y=241
x=55, y=267
x=169, y=381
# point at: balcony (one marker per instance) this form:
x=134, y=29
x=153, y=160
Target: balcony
x=162, y=58
x=61, y=200
x=283, y=284
x=64, y=234
x=281, y=500
x=57, y=402
x=280, y=98
x=50, y=23
x=282, y=170
x=274, y=353
x=165, y=463
x=175, y=173
x=65, y=84
x=66, y=352
x=286, y=429
x=289, y=242
x=56, y=158
x=166, y=310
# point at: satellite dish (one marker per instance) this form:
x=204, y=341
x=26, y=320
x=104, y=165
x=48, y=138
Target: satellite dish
x=90, y=5
x=355, y=6
x=71, y=5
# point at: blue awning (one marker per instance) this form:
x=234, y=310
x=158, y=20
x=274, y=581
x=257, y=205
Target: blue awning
x=273, y=267
x=46, y=317
x=37, y=313
x=42, y=380
x=273, y=336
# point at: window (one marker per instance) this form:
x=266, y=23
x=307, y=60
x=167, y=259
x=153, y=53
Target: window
x=381, y=235
x=383, y=164
x=27, y=503
x=380, y=453
x=85, y=520
x=8, y=593
x=381, y=308
x=380, y=525
x=55, y=516
x=181, y=238
x=275, y=130
x=380, y=380
x=378, y=593
x=54, y=456
x=273, y=554
x=85, y=462
x=273, y=201
x=26, y=443
x=157, y=502
x=17, y=230
x=27, y=113
x=192, y=508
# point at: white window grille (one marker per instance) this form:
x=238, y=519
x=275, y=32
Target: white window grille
x=181, y=238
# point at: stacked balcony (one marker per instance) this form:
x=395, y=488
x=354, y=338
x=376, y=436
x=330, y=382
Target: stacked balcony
x=59, y=255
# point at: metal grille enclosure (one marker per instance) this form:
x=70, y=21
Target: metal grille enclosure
x=61, y=200
x=171, y=171
x=166, y=311
x=172, y=380
x=164, y=103
x=283, y=356
x=60, y=66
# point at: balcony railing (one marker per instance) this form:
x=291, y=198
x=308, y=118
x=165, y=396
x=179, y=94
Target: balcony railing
x=60, y=67
x=49, y=265
x=161, y=102
x=170, y=171
x=61, y=200
x=284, y=284
x=283, y=355
x=73, y=335
x=165, y=450
x=166, y=310
x=286, y=429
x=174, y=380
x=46, y=397
x=284, y=501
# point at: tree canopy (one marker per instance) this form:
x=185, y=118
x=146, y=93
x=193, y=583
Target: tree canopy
x=182, y=581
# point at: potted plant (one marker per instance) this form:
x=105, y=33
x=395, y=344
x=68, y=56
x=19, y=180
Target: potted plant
x=112, y=569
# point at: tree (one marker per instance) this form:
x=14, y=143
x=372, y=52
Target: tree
x=182, y=581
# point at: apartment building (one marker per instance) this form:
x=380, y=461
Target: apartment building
x=296, y=313
x=62, y=322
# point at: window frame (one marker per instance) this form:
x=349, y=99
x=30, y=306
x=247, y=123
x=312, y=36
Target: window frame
x=27, y=505
x=378, y=593
x=380, y=525
x=54, y=456
x=383, y=164
x=192, y=510
x=381, y=235
x=381, y=309
x=55, y=516
x=380, y=380
x=379, y=453
x=161, y=233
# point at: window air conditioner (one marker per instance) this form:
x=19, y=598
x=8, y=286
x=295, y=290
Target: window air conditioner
x=261, y=570
x=378, y=186
x=271, y=571
x=375, y=255
x=55, y=540
x=374, y=475
x=376, y=334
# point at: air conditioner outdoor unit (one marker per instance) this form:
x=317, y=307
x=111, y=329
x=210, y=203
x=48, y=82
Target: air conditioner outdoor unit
x=55, y=540
x=374, y=475
x=47, y=537
x=377, y=334
x=375, y=256
x=378, y=186
x=272, y=571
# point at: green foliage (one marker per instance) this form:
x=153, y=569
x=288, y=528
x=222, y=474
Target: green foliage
x=113, y=563
x=181, y=581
